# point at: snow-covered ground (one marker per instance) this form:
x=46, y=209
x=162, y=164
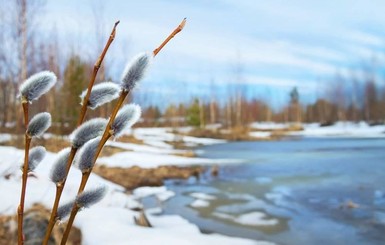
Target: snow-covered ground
x=342, y=129
x=339, y=129
x=158, y=136
x=112, y=221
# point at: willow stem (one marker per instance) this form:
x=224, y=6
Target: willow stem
x=52, y=220
x=59, y=191
x=107, y=135
x=172, y=34
x=82, y=115
x=86, y=174
x=97, y=65
x=20, y=209
x=70, y=223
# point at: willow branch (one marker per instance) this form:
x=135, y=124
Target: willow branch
x=107, y=134
x=94, y=73
x=176, y=31
x=20, y=209
x=59, y=189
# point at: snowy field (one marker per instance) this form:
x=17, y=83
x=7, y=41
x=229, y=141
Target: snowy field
x=115, y=210
x=339, y=129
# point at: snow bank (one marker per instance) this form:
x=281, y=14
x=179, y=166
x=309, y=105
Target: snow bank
x=260, y=134
x=341, y=129
x=269, y=125
x=143, y=148
x=201, y=199
x=157, y=136
x=161, y=193
x=199, y=203
x=202, y=196
x=151, y=160
x=109, y=221
x=118, y=228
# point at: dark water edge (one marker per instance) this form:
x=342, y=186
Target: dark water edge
x=309, y=191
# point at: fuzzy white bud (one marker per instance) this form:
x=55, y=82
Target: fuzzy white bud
x=64, y=210
x=35, y=156
x=87, y=131
x=37, y=85
x=101, y=93
x=39, y=124
x=126, y=117
x=90, y=197
x=59, y=169
x=85, y=158
x=135, y=70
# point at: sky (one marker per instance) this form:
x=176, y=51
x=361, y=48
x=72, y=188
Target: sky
x=268, y=46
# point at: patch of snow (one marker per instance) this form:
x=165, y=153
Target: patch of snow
x=269, y=125
x=342, y=129
x=164, y=134
x=5, y=137
x=199, y=203
x=255, y=219
x=142, y=148
x=260, y=134
x=159, y=144
x=202, y=196
x=109, y=221
x=251, y=219
x=118, y=228
x=160, y=192
x=151, y=160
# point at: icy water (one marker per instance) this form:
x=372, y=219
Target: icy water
x=294, y=191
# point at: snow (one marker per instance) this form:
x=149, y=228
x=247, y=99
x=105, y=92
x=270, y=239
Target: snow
x=118, y=228
x=199, y=203
x=156, y=135
x=5, y=137
x=260, y=134
x=161, y=192
x=143, y=148
x=201, y=199
x=341, y=129
x=202, y=196
x=110, y=221
x=255, y=219
x=251, y=219
x=269, y=125
x=151, y=160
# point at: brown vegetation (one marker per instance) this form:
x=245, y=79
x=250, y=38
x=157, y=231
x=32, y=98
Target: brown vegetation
x=37, y=218
x=134, y=177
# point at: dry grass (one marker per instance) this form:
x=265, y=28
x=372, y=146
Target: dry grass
x=134, y=177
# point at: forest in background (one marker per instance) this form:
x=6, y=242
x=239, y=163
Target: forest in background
x=24, y=52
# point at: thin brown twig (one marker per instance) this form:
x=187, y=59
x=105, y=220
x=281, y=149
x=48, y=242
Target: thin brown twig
x=94, y=73
x=59, y=191
x=59, y=188
x=176, y=31
x=20, y=209
x=106, y=135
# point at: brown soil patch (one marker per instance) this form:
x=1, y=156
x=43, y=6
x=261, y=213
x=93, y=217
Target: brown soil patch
x=134, y=177
x=37, y=216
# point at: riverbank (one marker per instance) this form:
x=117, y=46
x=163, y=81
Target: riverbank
x=145, y=153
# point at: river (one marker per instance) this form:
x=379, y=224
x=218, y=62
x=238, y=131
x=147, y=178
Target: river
x=293, y=191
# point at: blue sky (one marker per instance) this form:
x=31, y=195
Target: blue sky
x=274, y=44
